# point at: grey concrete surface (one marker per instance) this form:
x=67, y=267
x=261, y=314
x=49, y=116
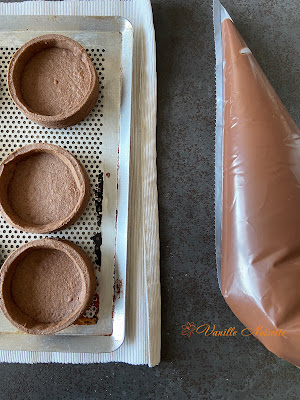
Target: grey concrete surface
x=199, y=367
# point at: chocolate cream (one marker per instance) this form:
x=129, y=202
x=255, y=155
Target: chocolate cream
x=54, y=81
x=43, y=188
x=45, y=285
x=260, y=270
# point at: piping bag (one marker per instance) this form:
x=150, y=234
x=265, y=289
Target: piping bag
x=257, y=197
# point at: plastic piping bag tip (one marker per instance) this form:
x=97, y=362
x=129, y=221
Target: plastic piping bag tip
x=223, y=12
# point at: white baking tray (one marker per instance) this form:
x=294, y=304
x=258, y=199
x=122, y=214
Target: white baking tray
x=102, y=143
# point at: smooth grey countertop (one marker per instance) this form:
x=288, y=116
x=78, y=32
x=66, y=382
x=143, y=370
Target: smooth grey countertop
x=199, y=367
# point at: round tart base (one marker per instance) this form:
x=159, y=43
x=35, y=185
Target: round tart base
x=53, y=81
x=43, y=188
x=46, y=285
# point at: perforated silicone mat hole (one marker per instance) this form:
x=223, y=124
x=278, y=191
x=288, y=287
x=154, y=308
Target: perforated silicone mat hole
x=83, y=140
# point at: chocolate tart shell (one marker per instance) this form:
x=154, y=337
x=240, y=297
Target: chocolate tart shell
x=45, y=285
x=52, y=80
x=43, y=188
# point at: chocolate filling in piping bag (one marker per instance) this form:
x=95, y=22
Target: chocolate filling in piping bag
x=257, y=197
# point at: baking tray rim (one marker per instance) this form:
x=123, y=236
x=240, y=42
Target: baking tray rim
x=88, y=344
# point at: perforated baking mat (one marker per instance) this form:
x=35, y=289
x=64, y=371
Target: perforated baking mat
x=102, y=143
